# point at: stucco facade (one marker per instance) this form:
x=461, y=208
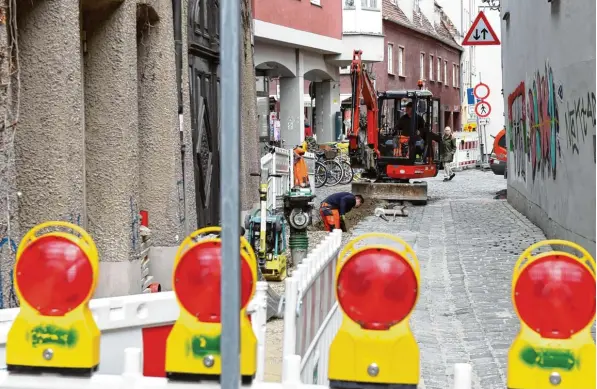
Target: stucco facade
x=549, y=98
x=98, y=132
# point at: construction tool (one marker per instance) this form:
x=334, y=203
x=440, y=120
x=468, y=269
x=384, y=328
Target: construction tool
x=383, y=213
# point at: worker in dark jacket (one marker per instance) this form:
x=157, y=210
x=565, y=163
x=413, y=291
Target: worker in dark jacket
x=334, y=207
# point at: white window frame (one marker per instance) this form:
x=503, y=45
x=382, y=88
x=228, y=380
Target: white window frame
x=457, y=83
x=345, y=69
x=401, y=52
x=369, y=4
x=446, y=72
x=439, y=69
x=390, y=58
x=431, y=58
x=422, y=66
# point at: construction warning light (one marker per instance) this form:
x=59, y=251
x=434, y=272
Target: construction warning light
x=377, y=287
x=193, y=346
x=553, y=294
x=55, y=275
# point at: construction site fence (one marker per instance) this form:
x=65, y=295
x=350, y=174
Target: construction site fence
x=127, y=321
x=311, y=314
x=280, y=162
x=467, y=154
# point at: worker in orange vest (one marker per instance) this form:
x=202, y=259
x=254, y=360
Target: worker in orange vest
x=301, y=172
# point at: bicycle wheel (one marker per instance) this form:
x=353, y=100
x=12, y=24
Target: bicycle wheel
x=347, y=173
x=335, y=172
x=321, y=174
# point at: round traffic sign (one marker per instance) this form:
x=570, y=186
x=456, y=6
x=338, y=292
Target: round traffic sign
x=483, y=109
x=481, y=91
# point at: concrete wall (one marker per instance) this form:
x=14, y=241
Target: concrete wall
x=323, y=19
x=549, y=95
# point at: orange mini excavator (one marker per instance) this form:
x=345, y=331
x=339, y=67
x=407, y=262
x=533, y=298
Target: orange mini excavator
x=400, y=141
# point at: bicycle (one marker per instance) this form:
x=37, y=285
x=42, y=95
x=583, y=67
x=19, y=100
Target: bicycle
x=321, y=174
x=334, y=169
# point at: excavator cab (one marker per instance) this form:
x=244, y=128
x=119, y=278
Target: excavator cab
x=406, y=136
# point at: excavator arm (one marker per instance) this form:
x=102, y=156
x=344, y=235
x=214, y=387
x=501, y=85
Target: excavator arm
x=362, y=88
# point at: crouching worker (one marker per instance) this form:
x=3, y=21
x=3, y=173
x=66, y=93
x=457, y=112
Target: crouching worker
x=333, y=209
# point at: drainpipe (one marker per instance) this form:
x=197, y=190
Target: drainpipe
x=177, y=16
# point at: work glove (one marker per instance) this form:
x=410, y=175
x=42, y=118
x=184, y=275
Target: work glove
x=343, y=224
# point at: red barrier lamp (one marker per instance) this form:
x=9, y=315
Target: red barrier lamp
x=377, y=287
x=553, y=294
x=55, y=276
x=193, y=345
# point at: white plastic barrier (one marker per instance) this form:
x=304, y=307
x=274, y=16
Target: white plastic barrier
x=125, y=323
x=277, y=163
x=130, y=378
x=467, y=152
x=311, y=314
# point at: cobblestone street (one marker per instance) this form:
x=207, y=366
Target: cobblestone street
x=467, y=244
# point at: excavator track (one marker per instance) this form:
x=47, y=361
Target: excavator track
x=415, y=192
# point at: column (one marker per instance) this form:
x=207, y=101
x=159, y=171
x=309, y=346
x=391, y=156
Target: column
x=161, y=191
x=292, y=119
x=329, y=106
x=292, y=106
x=49, y=148
x=319, y=110
x=111, y=115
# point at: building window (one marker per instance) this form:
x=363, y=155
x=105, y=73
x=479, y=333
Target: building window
x=446, y=72
x=439, y=70
x=345, y=70
x=401, y=61
x=431, y=67
x=349, y=4
x=457, y=82
x=422, y=66
x=369, y=4
x=390, y=58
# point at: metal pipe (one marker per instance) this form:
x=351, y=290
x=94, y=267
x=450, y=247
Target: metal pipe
x=177, y=16
x=230, y=36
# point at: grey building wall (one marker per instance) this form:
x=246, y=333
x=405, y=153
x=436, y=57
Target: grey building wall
x=548, y=56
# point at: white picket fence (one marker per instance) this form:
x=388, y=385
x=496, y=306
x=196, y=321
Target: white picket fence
x=311, y=314
x=280, y=162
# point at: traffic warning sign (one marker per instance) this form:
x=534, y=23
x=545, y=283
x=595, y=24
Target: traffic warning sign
x=481, y=33
x=483, y=109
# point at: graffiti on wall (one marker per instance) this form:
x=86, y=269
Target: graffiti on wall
x=579, y=118
x=536, y=113
x=542, y=112
x=517, y=130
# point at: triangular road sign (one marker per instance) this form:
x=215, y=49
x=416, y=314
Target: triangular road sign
x=480, y=33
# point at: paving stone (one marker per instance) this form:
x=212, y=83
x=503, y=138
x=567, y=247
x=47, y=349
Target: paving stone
x=467, y=244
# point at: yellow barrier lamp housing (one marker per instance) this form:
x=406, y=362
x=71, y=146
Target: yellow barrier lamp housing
x=377, y=287
x=553, y=294
x=55, y=275
x=193, y=346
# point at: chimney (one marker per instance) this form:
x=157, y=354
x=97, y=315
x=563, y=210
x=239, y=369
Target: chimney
x=407, y=6
x=437, y=15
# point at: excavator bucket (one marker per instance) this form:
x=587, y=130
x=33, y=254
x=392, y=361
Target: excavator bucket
x=414, y=191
